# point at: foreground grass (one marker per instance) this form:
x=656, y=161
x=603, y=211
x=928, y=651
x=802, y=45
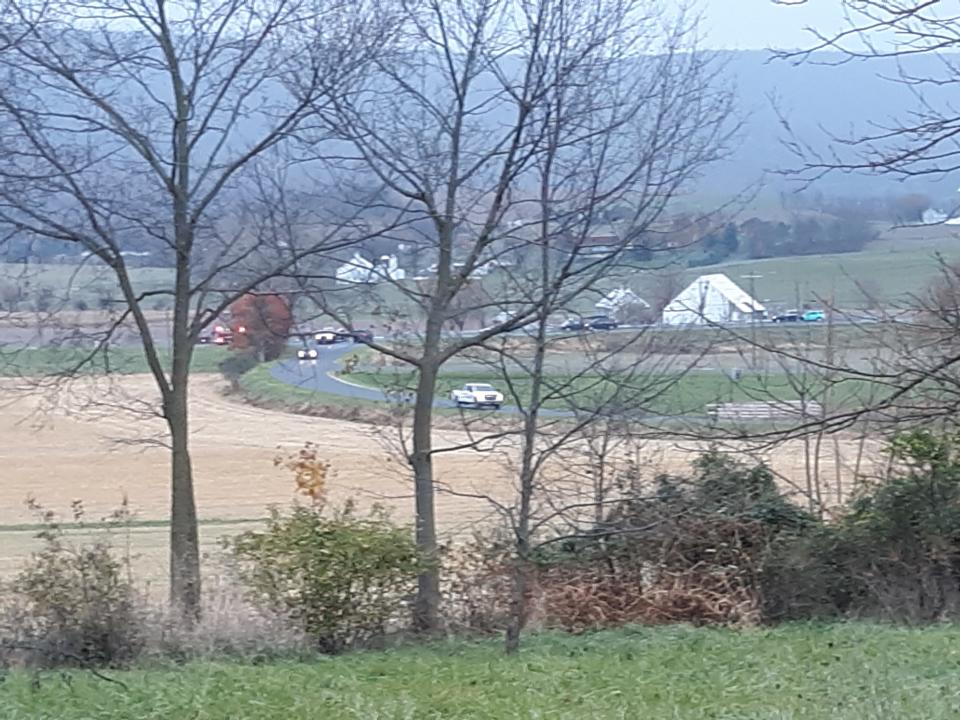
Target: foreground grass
x=842, y=672
x=35, y=362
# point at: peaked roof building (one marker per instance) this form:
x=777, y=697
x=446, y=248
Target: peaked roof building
x=711, y=299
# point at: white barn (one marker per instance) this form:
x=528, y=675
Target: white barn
x=711, y=299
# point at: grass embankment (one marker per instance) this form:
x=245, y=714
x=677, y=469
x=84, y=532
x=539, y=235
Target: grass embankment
x=260, y=387
x=34, y=362
x=840, y=672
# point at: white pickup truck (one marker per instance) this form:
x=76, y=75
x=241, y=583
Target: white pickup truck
x=477, y=395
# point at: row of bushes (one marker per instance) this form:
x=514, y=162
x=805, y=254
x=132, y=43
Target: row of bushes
x=737, y=550
x=720, y=546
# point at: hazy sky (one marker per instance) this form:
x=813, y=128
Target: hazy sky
x=755, y=24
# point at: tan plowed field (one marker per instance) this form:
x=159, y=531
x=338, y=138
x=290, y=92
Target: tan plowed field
x=89, y=449
x=86, y=449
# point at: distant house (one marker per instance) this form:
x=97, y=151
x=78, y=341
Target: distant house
x=934, y=217
x=711, y=299
x=479, y=270
x=362, y=271
x=602, y=243
x=620, y=299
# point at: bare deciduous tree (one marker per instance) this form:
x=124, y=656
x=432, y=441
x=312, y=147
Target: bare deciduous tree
x=150, y=124
x=505, y=137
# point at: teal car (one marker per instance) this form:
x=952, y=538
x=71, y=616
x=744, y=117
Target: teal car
x=813, y=316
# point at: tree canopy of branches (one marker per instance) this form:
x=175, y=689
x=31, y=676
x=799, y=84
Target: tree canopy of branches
x=923, y=142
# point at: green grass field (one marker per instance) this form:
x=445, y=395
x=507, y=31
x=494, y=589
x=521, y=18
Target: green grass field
x=678, y=394
x=801, y=672
x=69, y=286
x=119, y=360
x=890, y=276
x=902, y=262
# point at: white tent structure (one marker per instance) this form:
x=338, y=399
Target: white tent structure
x=711, y=299
x=619, y=299
x=361, y=271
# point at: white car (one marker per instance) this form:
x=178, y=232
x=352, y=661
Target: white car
x=327, y=336
x=477, y=395
x=307, y=354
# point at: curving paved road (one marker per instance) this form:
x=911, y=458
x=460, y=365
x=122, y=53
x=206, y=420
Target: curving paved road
x=317, y=375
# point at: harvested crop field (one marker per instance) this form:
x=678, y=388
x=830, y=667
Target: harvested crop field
x=84, y=446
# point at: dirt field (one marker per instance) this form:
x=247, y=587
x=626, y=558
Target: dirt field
x=73, y=453
x=84, y=448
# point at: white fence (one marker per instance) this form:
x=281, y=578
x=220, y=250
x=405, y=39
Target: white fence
x=783, y=409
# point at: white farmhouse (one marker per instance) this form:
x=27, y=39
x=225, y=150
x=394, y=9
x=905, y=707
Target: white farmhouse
x=361, y=271
x=620, y=299
x=711, y=299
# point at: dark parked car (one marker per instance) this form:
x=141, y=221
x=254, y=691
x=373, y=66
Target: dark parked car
x=573, y=323
x=601, y=322
x=360, y=336
x=791, y=316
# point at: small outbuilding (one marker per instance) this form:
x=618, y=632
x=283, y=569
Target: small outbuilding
x=362, y=271
x=620, y=299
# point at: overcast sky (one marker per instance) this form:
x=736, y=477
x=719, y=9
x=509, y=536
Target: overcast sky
x=757, y=24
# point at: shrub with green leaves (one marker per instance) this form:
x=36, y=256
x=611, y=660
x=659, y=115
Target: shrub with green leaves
x=725, y=512
x=236, y=365
x=893, y=553
x=906, y=530
x=345, y=577
x=689, y=549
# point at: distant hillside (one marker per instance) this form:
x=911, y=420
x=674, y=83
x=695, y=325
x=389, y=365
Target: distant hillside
x=815, y=97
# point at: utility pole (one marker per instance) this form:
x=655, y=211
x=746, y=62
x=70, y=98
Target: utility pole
x=753, y=317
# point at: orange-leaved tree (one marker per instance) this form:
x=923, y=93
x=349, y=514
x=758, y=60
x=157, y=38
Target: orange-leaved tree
x=261, y=323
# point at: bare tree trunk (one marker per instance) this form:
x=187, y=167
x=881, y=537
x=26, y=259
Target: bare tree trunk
x=184, y=536
x=808, y=470
x=837, y=471
x=184, y=533
x=528, y=470
x=817, y=478
x=518, y=607
x=426, y=612
x=528, y=473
